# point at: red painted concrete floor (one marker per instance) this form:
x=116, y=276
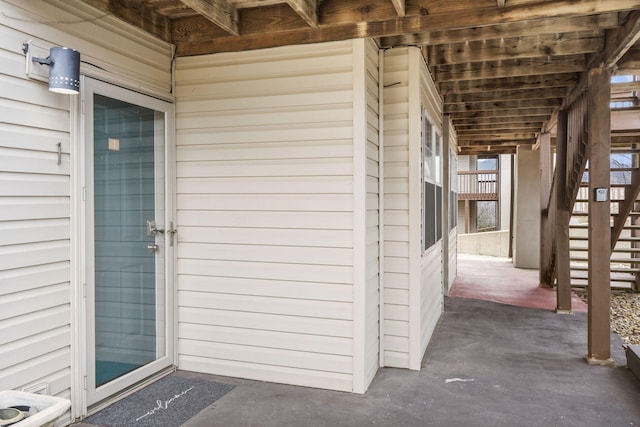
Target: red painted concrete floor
x=497, y=280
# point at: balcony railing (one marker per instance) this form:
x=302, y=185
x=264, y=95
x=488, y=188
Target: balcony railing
x=478, y=185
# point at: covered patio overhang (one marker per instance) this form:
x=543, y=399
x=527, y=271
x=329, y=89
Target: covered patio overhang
x=511, y=73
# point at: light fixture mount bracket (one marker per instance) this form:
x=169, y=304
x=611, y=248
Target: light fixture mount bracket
x=36, y=70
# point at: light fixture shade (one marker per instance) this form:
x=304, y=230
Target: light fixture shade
x=64, y=72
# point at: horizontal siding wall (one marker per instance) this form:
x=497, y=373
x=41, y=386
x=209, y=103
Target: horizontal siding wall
x=265, y=214
x=431, y=295
x=432, y=289
x=372, y=240
x=396, y=209
x=35, y=206
x=453, y=234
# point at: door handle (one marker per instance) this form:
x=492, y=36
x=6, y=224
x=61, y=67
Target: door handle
x=152, y=247
x=152, y=229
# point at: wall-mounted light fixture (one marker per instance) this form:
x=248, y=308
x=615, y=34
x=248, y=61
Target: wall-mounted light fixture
x=64, y=67
x=64, y=70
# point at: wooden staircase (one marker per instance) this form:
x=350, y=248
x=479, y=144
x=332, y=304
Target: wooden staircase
x=625, y=232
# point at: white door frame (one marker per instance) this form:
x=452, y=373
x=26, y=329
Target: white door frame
x=79, y=258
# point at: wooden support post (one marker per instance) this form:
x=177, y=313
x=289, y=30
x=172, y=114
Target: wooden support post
x=599, y=142
x=563, y=215
x=546, y=243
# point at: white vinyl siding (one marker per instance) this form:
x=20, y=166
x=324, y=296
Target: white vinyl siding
x=372, y=239
x=453, y=233
x=267, y=201
x=431, y=294
x=35, y=192
x=412, y=280
x=432, y=289
x=396, y=209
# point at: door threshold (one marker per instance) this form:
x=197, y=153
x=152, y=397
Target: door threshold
x=97, y=407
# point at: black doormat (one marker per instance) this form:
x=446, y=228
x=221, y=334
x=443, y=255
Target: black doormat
x=168, y=402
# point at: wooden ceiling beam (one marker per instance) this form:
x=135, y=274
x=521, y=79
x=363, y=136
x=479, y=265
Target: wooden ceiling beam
x=400, y=7
x=473, y=151
x=620, y=40
x=517, y=47
x=616, y=45
x=307, y=9
x=487, y=135
x=495, y=143
x=492, y=143
x=507, y=95
x=513, y=29
x=562, y=80
x=220, y=12
x=542, y=111
x=493, y=120
x=510, y=68
x=340, y=12
x=502, y=105
x=430, y=15
x=506, y=127
x=496, y=137
x=629, y=63
x=339, y=20
x=493, y=129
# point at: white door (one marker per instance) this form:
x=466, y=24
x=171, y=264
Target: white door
x=129, y=238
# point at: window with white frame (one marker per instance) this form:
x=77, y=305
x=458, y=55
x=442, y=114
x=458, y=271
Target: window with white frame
x=432, y=183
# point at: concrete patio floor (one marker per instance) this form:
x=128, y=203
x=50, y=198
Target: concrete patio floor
x=488, y=364
x=496, y=279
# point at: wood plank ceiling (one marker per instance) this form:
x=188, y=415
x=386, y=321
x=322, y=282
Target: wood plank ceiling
x=503, y=67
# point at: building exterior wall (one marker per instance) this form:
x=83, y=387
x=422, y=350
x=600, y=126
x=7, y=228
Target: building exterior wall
x=274, y=274
x=372, y=203
x=452, y=256
x=504, y=198
x=431, y=261
x=396, y=208
x=278, y=178
x=413, y=281
x=526, y=227
x=37, y=268
x=466, y=163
